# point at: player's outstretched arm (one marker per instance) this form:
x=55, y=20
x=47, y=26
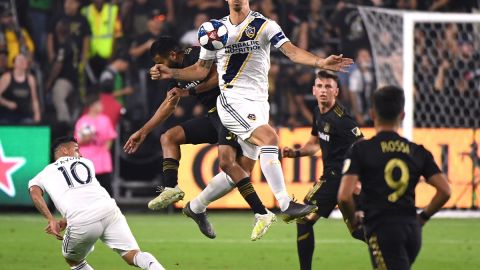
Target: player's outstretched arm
x=53, y=226
x=300, y=56
x=206, y=85
x=440, y=183
x=196, y=72
x=210, y=82
x=309, y=149
x=345, y=200
x=163, y=112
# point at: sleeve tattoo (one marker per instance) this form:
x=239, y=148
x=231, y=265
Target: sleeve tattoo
x=207, y=64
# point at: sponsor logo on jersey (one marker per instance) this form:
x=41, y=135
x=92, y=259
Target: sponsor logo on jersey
x=252, y=117
x=243, y=47
x=324, y=136
x=250, y=31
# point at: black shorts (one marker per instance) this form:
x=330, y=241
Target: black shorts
x=394, y=245
x=324, y=195
x=208, y=129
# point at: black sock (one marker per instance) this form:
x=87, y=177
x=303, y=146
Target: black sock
x=248, y=192
x=170, y=172
x=305, y=245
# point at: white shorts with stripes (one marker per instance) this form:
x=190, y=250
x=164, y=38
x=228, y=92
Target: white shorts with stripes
x=242, y=116
x=113, y=230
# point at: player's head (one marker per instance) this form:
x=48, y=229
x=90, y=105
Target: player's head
x=166, y=50
x=388, y=104
x=238, y=5
x=65, y=146
x=325, y=88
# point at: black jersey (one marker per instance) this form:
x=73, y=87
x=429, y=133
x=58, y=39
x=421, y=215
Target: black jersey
x=337, y=131
x=208, y=98
x=389, y=167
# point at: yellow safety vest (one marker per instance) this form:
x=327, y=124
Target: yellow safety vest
x=102, y=25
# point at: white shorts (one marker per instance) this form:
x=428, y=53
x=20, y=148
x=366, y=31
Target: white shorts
x=113, y=230
x=249, y=150
x=242, y=116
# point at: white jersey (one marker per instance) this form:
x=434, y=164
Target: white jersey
x=71, y=184
x=244, y=62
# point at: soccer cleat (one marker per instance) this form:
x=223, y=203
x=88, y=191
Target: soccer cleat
x=297, y=210
x=166, y=197
x=201, y=220
x=262, y=224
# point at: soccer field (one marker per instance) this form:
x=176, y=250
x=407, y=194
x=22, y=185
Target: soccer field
x=177, y=243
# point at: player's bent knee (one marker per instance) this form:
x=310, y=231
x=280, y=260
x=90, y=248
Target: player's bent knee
x=72, y=263
x=128, y=256
x=265, y=135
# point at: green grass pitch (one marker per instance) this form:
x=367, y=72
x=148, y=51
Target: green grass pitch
x=177, y=244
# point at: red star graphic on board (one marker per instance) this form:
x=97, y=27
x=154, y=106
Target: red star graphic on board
x=8, y=165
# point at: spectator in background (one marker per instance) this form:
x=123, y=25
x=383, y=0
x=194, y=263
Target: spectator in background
x=38, y=12
x=190, y=38
x=105, y=26
x=361, y=84
x=318, y=27
x=78, y=29
x=136, y=14
x=213, y=8
x=16, y=40
x=19, y=102
x=62, y=79
x=296, y=26
x=95, y=135
x=350, y=27
x=140, y=48
x=301, y=100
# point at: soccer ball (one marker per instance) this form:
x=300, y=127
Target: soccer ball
x=213, y=35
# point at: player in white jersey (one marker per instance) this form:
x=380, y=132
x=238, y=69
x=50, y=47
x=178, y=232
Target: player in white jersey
x=243, y=67
x=88, y=211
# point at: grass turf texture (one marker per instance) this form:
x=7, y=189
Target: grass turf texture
x=178, y=244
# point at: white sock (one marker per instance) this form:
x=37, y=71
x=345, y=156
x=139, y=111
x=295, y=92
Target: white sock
x=272, y=169
x=220, y=185
x=146, y=261
x=82, y=266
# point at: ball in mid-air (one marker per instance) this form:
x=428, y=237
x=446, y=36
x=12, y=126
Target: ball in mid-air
x=213, y=35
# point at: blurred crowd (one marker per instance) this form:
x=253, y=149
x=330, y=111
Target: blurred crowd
x=56, y=54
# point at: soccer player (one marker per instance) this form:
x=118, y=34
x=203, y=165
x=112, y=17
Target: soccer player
x=333, y=131
x=242, y=68
x=89, y=213
x=207, y=129
x=389, y=167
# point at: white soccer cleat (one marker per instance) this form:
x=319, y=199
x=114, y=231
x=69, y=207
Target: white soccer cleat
x=262, y=224
x=166, y=197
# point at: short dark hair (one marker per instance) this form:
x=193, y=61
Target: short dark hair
x=164, y=45
x=389, y=102
x=323, y=74
x=61, y=141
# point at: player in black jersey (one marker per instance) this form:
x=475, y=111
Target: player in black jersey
x=388, y=167
x=207, y=129
x=333, y=131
